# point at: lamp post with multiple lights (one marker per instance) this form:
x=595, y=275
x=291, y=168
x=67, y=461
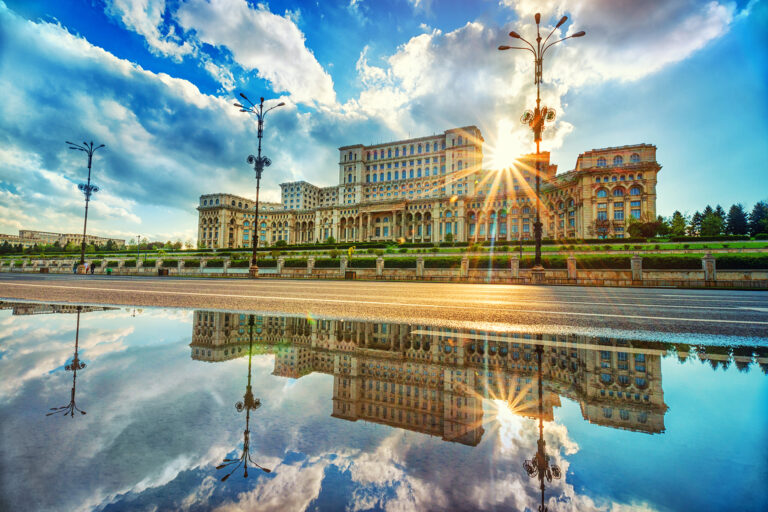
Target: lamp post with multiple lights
x=538, y=466
x=259, y=162
x=87, y=189
x=76, y=364
x=536, y=118
x=248, y=404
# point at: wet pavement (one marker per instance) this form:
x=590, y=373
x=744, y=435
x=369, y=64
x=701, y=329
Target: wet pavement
x=134, y=408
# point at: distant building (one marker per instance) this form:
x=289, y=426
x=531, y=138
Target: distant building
x=432, y=188
x=30, y=238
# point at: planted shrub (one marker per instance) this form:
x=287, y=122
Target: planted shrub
x=264, y=263
x=295, y=262
x=741, y=261
x=485, y=262
x=442, y=262
x=402, y=262
x=192, y=263
x=241, y=263
x=327, y=263
x=603, y=262
x=363, y=263
x=129, y=263
x=96, y=263
x=170, y=263
x=149, y=263
x=214, y=263
x=113, y=263
x=672, y=262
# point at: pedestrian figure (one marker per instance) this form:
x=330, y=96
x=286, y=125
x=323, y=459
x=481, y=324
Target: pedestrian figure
x=74, y=268
x=93, y=268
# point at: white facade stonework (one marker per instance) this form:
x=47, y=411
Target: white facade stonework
x=433, y=189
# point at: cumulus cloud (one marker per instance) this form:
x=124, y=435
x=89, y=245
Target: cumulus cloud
x=145, y=17
x=259, y=40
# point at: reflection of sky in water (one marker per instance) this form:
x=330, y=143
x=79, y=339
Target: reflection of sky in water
x=159, y=422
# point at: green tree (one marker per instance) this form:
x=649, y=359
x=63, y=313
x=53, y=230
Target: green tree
x=695, y=227
x=736, y=223
x=720, y=212
x=662, y=227
x=281, y=243
x=678, y=224
x=449, y=237
x=330, y=240
x=712, y=225
x=758, y=219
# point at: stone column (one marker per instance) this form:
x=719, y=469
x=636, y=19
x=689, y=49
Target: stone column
x=310, y=265
x=571, y=262
x=343, y=265
x=464, y=266
x=514, y=266
x=139, y=265
x=180, y=267
x=379, y=266
x=280, y=263
x=225, y=265
x=202, y=265
x=420, y=266
x=709, y=266
x=636, y=264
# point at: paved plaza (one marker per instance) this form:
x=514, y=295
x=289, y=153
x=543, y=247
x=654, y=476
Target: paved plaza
x=658, y=313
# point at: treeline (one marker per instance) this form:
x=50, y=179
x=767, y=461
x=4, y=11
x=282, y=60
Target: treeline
x=707, y=223
x=109, y=246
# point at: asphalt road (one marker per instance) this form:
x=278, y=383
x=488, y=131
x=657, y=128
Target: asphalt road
x=655, y=314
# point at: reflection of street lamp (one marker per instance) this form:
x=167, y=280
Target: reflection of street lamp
x=75, y=365
x=248, y=403
x=539, y=465
x=87, y=189
x=259, y=163
x=536, y=118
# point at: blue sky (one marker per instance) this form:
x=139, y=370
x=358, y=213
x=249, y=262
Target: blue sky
x=154, y=80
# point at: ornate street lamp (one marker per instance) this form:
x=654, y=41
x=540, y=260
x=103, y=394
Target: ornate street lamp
x=259, y=163
x=538, y=466
x=75, y=365
x=87, y=189
x=248, y=404
x=536, y=118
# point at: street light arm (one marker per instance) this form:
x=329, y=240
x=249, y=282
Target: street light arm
x=550, y=45
x=504, y=47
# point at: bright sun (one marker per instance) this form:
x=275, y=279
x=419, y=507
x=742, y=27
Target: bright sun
x=505, y=148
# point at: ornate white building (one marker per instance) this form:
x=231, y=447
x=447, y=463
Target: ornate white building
x=433, y=189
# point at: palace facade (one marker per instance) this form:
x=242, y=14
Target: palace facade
x=434, y=189
x=434, y=380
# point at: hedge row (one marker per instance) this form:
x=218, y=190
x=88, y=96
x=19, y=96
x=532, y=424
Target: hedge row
x=328, y=263
x=295, y=263
x=362, y=263
x=719, y=238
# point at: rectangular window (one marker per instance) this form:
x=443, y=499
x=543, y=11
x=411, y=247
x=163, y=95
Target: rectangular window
x=618, y=215
x=602, y=215
x=635, y=214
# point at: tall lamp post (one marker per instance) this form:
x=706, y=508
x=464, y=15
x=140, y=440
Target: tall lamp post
x=76, y=364
x=248, y=404
x=259, y=162
x=87, y=189
x=538, y=466
x=536, y=118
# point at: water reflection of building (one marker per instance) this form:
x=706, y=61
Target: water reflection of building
x=34, y=308
x=433, y=380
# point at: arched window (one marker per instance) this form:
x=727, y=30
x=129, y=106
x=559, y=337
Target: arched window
x=375, y=155
x=602, y=193
x=205, y=202
x=389, y=176
x=460, y=165
x=397, y=152
x=367, y=178
x=460, y=140
x=526, y=210
x=395, y=174
x=426, y=171
x=389, y=153
x=233, y=203
x=601, y=162
x=418, y=172
x=434, y=147
x=411, y=148
x=349, y=179
x=618, y=192
x=374, y=177
x=571, y=203
x=618, y=160
x=635, y=191
x=448, y=214
x=217, y=201
x=560, y=205
x=246, y=223
x=419, y=149
x=381, y=177
x=597, y=180
x=634, y=158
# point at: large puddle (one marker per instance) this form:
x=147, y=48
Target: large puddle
x=158, y=409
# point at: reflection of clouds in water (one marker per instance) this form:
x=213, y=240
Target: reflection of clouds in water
x=155, y=414
x=293, y=487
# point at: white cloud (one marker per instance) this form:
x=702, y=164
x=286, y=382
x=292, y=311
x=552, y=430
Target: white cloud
x=145, y=17
x=260, y=40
